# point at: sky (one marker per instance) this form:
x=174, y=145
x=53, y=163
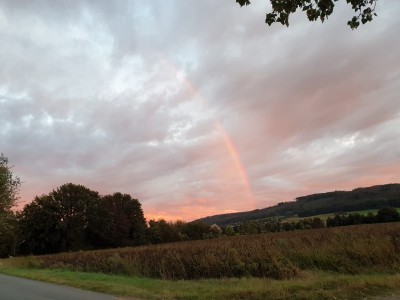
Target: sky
x=197, y=108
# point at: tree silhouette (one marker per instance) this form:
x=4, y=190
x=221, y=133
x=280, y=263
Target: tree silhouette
x=59, y=221
x=9, y=187
x=317, y=9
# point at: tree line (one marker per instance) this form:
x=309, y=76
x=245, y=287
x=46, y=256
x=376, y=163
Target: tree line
x=279, y=224
x=73, y=217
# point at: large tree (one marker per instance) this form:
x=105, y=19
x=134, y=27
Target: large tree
x=128, y=217
x=119, y=222
x=40, y=226
x=317, y=9
x=9, y=187
x=59, y=221
x=73, y=217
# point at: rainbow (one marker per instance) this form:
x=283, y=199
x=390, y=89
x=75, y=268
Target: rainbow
x=229, y=144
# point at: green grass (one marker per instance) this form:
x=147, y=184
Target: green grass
x=315, y=285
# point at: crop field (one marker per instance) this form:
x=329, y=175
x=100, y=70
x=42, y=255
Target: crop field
x=286, y=255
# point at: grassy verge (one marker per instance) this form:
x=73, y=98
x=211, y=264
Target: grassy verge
x=313, y=285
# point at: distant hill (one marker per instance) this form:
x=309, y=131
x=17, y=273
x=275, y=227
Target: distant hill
x=332, y=202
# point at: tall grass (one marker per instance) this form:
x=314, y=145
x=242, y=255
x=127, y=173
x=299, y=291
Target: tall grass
x=347, y=250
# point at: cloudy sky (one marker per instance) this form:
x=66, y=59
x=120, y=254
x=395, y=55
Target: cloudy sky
x=197, y=107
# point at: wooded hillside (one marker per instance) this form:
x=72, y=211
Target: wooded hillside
x=373, y=197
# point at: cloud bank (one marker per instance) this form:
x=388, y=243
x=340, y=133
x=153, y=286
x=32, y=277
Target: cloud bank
x=197, y=108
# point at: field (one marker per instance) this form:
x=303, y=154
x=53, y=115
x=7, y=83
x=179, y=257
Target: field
x=312, y=264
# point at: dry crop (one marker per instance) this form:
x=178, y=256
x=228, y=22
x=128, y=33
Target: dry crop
x=348, y=250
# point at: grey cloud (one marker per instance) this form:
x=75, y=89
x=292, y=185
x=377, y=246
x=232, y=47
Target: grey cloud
x=126, y=96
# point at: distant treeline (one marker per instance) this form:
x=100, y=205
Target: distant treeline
x=386, y=214
x=369, y=204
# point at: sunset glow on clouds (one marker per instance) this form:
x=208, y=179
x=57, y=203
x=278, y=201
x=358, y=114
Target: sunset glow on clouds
x=197, y=107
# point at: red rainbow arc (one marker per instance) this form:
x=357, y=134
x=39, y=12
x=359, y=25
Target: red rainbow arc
x=229, y=144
